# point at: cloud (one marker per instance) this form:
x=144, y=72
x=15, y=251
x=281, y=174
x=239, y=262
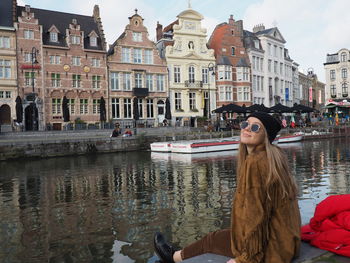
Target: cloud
x=311, y=28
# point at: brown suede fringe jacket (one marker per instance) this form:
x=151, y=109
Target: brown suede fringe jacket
x=263, y=229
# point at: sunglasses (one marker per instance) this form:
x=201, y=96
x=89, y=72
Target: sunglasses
x=254, y=127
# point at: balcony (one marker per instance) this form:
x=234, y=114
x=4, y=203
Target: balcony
x=193, y=84
x=140, y=92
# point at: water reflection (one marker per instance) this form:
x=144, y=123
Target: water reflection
x=106, y=208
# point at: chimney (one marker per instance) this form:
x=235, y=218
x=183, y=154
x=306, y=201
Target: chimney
x=231, y=21
x=239, y=27
x=14, y=8
x=258, y=28
x=159, y=31
x=27, y=8
x=96, y=12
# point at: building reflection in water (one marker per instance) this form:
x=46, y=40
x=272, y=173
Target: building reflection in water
x=106, y=208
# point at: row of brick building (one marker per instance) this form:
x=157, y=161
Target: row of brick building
x=53, y=63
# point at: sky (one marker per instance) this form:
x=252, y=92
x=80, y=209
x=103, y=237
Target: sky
x=311, y=28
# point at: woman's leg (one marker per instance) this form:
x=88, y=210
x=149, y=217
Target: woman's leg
x=218, y=242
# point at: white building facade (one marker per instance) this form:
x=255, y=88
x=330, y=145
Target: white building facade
x=337, y=69
x=190, y=64
x=272, y=68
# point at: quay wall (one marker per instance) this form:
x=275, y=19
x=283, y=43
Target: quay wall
x=54, y=144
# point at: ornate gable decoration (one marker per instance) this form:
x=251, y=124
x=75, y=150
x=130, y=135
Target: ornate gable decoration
x=53, y=29
x=275, y=33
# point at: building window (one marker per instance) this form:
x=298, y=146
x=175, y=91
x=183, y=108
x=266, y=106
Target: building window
x=275, y=51
x=93, y=41
x=149, y=82
x=29, y=78
x=4, y=42
x=269, y=65
x=243, y=94
x=95, y=62
x=269, y=49
x=138, y=80
x=177, y=75
x=205, y=72
x=53, y=37
x=28, y=57
x=281, y=69
x=137, y=55
x=125, y=54
x=344, y=73
x=56, y=106
x=192, y=100
x=343, y=57
x=75, y=40
x=178, y=101
x=84, y=106
x=96, y=106
x=150, y=110
x=127, y=81
x=96, y=82
x=225, y=93
x=140, y=107
x=114, y=79
x=191, y=74
x=71, y=106
x=55, y=59
x=115, y=108
x=344, y=88
x=233, y=51
x=225, y=72
x=245, y=74
x=160, y=82
x=333, y=91
x=7, y=94
x=275, y=63
x=28, y=34
x=127, y=108
x=149, y=56
x=137, y=36
x=5, y=69
x=55, y=80
x=332, y=74
x=76, y=61
x=76, y=81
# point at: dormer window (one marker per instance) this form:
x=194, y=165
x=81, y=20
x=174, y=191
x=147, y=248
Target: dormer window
x=53, y=37
x=75, y=40
x=93, y=41
x=343, y=57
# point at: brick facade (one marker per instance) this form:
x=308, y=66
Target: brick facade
x=137, y=74
x=233, y=77
x=69, y=64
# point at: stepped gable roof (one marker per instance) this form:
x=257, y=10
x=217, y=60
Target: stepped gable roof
x=6, y=19
x=223, y=60
x=242, y=63
x=61, y=21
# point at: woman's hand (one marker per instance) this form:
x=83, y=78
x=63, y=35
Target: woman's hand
x=231, y=261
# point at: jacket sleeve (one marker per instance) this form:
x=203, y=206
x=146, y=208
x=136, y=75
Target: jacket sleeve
x=256, y=213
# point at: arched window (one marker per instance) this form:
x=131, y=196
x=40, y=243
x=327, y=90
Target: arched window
x=233, y=51
x=344, y=73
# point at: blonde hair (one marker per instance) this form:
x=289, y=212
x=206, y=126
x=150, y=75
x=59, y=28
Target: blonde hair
x=278, y=168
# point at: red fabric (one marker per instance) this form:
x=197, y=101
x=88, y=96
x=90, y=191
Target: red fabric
x=329, y=229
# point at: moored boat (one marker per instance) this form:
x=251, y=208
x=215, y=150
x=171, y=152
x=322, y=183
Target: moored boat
x=161, y=147
x=297, y=137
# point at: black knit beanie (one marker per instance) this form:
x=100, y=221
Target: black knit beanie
x=272, y=126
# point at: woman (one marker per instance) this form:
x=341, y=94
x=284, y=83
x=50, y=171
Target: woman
x=265, y=218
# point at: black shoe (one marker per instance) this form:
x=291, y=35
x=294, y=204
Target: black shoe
x=163, y=249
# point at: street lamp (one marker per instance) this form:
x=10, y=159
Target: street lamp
x=34, y=61
x=211, y=67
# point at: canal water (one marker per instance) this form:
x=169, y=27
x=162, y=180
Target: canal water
x=105, y=208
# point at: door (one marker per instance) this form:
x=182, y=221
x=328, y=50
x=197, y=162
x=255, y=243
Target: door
x=161, y=111
x=31, y=115
x=5, y=115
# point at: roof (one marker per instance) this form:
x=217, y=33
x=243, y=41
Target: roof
x=242, y=63
x=223, y=60
x=6, y=19
x=111, y=47
x=61, y=21
x=248, y=40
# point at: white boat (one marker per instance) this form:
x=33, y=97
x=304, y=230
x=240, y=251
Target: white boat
x=161, y=147
x=201, y=146
x=197, y=146
x=297, y=137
